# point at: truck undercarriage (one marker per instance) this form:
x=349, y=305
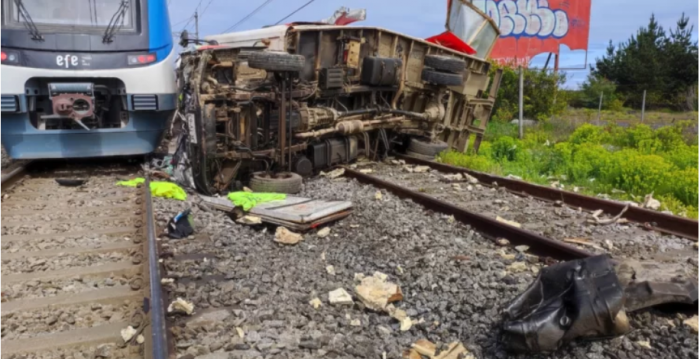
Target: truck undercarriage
x=318, y=96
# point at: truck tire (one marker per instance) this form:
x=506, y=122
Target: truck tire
x=445, y=63
x=282, y=182
x=441, y=78
x=426, y=148
x=276, y=61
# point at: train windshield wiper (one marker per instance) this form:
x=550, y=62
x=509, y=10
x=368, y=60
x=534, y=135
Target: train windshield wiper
x=28, y=22
x=116, y=22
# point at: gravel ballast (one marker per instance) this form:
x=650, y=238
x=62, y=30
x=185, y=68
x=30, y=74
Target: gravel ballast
x=454, y=282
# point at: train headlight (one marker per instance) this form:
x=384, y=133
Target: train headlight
x=9, y=57
x=141, y=59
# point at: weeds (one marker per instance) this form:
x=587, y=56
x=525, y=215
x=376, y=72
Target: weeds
x=637, y=160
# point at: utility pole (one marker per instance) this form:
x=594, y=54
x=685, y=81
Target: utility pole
x=196, y=24
x=600, y=106
x=644, y=100
x=520, y=104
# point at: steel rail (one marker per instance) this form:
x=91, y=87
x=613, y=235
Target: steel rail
x=157, y=310
x=8, y=179
x=650, y=220
x=538, y=244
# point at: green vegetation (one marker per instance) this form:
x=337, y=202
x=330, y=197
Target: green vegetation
x=540, y=91
x=665, y=64
x=593, y=160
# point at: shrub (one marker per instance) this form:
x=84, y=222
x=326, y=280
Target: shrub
x=504, y=148
x=588, y=133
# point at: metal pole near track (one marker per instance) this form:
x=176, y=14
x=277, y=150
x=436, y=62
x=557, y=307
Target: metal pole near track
x=160, y=348
x=520, y=104
x=644, y=100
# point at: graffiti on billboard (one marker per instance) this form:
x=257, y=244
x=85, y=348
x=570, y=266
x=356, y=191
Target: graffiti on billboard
x=531, y=27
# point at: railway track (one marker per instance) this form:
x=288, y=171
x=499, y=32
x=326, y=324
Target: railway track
x=524, y=214
x=79, y=265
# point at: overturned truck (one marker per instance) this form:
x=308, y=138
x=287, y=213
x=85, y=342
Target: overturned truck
x=275, y=104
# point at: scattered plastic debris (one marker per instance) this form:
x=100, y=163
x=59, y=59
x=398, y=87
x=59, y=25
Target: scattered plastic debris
x=316, y=303
x=128, y=333
x=285, y=236
x=340, y=297
x=375, y=292
x=324, y=232
x=181, y=306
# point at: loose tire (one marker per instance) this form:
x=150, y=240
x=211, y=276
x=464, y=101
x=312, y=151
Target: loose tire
x=426, y=148
x=445, y=63
x=442, y=78
x=283, y=182
x=276, y=61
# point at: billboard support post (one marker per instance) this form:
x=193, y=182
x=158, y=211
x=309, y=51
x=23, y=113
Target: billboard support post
x=520, y=104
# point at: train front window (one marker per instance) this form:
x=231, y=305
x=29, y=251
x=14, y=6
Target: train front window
x=71, y=13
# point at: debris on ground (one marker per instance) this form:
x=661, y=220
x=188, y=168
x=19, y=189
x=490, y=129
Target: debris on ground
x=246, y=189
x=583, y=242
x=285, y=236
x=510, y=223
x=324, y=232
x=692, y=322
x=421, y=169
x=181, y=306
x=140, y=339
x=378, y=196
x=248, y=200
x=167, y=281
x=330, y=270
x=615, y=219
x=181, y=226
x=517, y=267
x=69, y=182
x=375, y=292
x=644, y=344
x=339, y=297
x=249, y=220
x=316, y=303
x=366, y=171
x=334, y=174
x=128, y=333
x=502, y=242
x=650, y=202
x=424, y=348
x=158, y=189
x=522, y=248
x=514, y=177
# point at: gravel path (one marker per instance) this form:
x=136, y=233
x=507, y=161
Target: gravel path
x=454, y=283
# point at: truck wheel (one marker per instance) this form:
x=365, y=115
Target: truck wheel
x=283, y=182
x=426, y=148
x=441, y=78
x=445, y=63
x=276, y=61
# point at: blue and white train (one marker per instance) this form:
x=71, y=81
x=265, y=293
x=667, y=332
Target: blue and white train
x=85, y=78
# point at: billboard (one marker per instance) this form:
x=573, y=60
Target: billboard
x=532, y=27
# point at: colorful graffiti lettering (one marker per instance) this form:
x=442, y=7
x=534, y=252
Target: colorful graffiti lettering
x=526, y=18
x=531, y=27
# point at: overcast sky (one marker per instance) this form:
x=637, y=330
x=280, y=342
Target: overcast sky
x=610, y=20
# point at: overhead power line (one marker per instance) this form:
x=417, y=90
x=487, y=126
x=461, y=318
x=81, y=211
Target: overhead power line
x=247, y=16
x=295, y=11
